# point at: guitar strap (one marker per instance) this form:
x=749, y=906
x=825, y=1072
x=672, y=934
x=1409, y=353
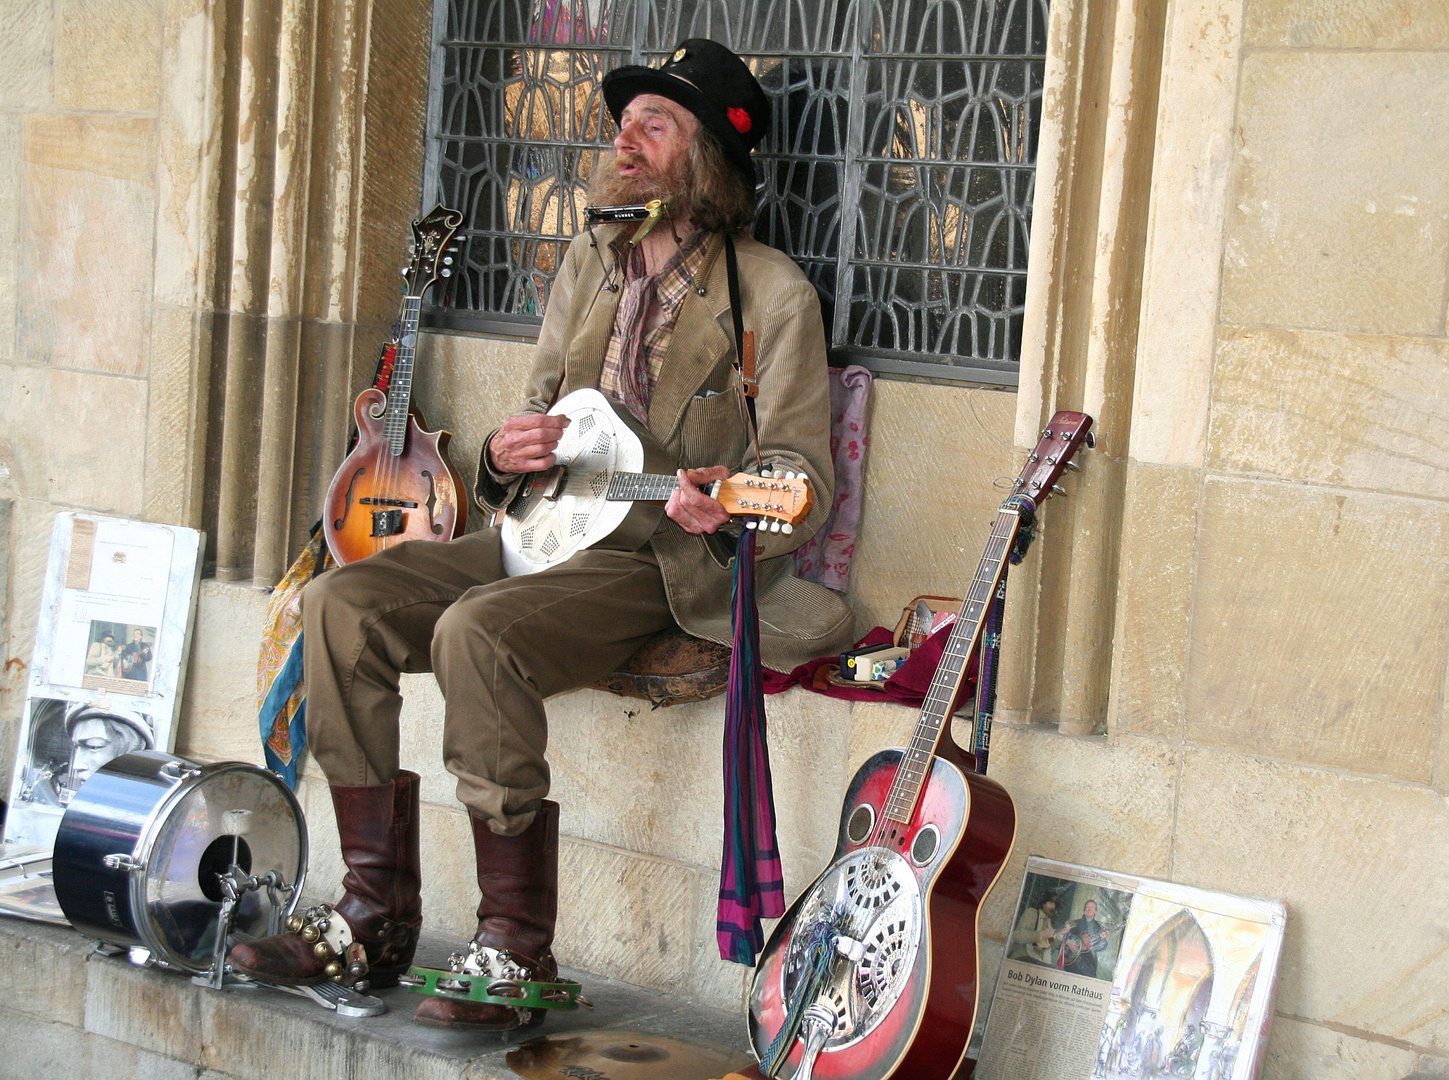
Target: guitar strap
x=744, y=343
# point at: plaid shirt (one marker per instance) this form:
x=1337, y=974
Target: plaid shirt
x=670, y=286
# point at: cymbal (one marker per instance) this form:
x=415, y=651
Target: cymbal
x=616, y=1054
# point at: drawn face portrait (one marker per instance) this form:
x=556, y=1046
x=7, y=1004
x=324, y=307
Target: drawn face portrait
x=95, y=742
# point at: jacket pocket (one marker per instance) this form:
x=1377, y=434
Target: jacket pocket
x=714, y=431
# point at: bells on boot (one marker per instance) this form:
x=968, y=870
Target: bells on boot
x=518, y=881
x=368, y=938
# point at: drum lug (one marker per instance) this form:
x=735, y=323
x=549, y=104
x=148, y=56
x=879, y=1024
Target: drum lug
x=179, y=770
x=123, y=862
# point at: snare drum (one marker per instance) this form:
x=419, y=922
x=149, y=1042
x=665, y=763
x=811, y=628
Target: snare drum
x=144, y=842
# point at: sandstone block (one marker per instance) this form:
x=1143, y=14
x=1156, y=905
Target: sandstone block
x=81, y=438
x=1336, y=225
x=642, y=779
x=1303, y=1051
x=875, y=726
x=420, y=738
x=249, y=1035
x=450, y=877
x=11, y=189
x=177, y=380
x=1082, y=800
x=87, y=242
x=1341, y=850
x=105, y=54
x=925, y=439
x=188, y=145
x=712, y=981
x=27, y=41
x=43, y=973
x=1343, y=409
x=152, y=1010
x=469, y=385
x=1154, y=593
x=1347, y=24
x=324, y=854
x=1182, y=268
x=627, y=916
x=32, y=521
x=218, y=719
x=1295, y=650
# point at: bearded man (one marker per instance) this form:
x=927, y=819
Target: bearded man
x=652, y=327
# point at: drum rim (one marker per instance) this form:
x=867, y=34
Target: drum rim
x=147, y=837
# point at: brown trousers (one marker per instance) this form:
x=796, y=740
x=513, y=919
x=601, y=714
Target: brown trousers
x=498, y=646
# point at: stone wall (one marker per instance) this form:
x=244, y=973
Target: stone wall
x=1240, y=607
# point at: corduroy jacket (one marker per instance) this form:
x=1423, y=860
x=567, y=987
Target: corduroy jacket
x=697, y=414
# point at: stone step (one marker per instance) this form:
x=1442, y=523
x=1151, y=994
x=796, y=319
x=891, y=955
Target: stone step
x=66, y=1011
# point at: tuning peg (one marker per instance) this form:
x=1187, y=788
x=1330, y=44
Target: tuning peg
x=403, y=271
x=1057, y=489
x=786, y=528
x=1090, y=440
x=1074, y=466
x=447, y=273
x=751, y=523
x=774, y=526
x=447, y=260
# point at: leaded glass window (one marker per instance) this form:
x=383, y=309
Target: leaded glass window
x=898, y=173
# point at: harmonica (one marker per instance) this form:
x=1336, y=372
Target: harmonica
x=595, y=215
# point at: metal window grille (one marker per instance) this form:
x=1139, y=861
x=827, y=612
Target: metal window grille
x=899, y=171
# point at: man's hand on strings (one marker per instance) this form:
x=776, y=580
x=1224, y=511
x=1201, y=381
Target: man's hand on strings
x=693, y=510
x=526, y=442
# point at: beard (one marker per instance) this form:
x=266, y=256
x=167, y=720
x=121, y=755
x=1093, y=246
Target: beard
x=673, y=185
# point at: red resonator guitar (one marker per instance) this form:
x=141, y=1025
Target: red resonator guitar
x=873, y=971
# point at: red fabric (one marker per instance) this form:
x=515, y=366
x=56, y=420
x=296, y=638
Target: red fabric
x=908, y=685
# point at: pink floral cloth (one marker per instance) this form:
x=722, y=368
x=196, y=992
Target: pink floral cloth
x=826, y=558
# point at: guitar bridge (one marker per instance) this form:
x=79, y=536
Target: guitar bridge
x=387, y=522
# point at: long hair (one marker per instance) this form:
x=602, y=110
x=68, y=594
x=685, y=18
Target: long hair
x=718, y=198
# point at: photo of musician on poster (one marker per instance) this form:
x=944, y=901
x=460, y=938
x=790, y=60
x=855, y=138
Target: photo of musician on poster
x=119, y=657
x=1069, y=925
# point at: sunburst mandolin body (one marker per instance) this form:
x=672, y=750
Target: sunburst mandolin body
x=379, y=499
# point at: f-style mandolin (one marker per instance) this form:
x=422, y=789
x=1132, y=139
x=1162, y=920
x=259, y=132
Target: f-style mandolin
x=873, y=971
x=398, y=484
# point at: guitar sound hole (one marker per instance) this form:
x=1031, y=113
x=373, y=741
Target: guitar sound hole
x=923, y=847
x=861, y=821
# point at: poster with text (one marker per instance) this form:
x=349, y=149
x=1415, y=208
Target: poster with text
x=1110, y=976
x=110, y=652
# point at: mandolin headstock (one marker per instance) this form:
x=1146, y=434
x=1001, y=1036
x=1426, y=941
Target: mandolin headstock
x=434, y=253
x=782, y=498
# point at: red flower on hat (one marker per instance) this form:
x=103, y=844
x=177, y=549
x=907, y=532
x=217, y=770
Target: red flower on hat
x=740, y=119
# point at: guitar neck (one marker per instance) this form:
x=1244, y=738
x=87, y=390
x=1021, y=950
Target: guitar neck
x=641, y=487
x=400, y=389
x=965, y=634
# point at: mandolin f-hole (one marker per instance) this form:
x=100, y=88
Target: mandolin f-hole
x=432, y=503
x=347, y=500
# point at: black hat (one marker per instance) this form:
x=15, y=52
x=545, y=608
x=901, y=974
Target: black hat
x=709, y=81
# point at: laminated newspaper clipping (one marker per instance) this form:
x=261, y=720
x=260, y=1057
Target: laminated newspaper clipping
x=110, y=650
x=1110, y=976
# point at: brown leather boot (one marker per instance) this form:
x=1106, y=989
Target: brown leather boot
x=518, y=877
x=367, y=939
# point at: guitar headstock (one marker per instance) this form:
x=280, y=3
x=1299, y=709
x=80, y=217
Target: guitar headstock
x=434, y=254
x=1059, y=441
x=785, y=499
